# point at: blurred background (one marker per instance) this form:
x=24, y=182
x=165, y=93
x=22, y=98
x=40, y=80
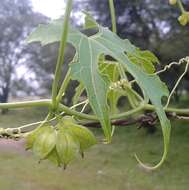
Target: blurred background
x=26, y=72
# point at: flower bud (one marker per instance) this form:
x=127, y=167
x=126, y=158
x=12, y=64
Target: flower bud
x=172, y=2
x=183, y=19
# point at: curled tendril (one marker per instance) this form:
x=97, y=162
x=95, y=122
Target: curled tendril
x=177, y=83
x=183, y=60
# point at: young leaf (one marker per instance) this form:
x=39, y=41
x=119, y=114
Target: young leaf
x=144, y=59
x=67, y=146
x=86, y=71
x=45, y=142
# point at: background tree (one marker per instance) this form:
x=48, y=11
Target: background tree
x=16, y=20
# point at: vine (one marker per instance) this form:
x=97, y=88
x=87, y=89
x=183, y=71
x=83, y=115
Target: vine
x=63, y=133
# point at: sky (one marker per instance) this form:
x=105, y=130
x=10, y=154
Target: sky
x=51, y=8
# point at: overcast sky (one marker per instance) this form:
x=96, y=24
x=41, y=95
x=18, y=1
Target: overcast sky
x=50, y=8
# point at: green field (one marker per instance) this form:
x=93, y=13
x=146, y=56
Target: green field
x=105, y=167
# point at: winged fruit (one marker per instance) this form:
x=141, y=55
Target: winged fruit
x=44, y=142
x=84, y=136
x=67, y=146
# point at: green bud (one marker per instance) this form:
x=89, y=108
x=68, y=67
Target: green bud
x=183, y=19
x=172, y=2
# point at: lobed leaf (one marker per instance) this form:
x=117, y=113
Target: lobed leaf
x=85, y=70
x=144, y=59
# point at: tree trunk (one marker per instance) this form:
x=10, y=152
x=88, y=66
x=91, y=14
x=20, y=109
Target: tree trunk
x=4, y=97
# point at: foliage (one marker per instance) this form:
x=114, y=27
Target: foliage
x=106, y=67
x=101, y=44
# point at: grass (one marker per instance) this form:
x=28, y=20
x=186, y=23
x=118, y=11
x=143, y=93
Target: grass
x=105, y=167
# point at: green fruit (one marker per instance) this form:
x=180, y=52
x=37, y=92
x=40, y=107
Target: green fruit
x=67, y=146
x=84, y=136
x=44, y=142
x=32, y=136
x=54, y=158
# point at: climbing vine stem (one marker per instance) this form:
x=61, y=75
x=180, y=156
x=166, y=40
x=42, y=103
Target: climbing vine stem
x=113, y=17
x=69, y=111
x=63, y=86
x=181, y=7
x=60, y=59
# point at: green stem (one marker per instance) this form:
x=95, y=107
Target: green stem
x=78, y=91
x=113, y=17
x=62, y=47
x=93, y=117
x=181, y=7
x=26, y=104
x=128, y=113
x=122, y=72
x=180, y=111
x=110, y=62
x=63, y=86
x=26, y=129
x=69, y=111
x=32, y=126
